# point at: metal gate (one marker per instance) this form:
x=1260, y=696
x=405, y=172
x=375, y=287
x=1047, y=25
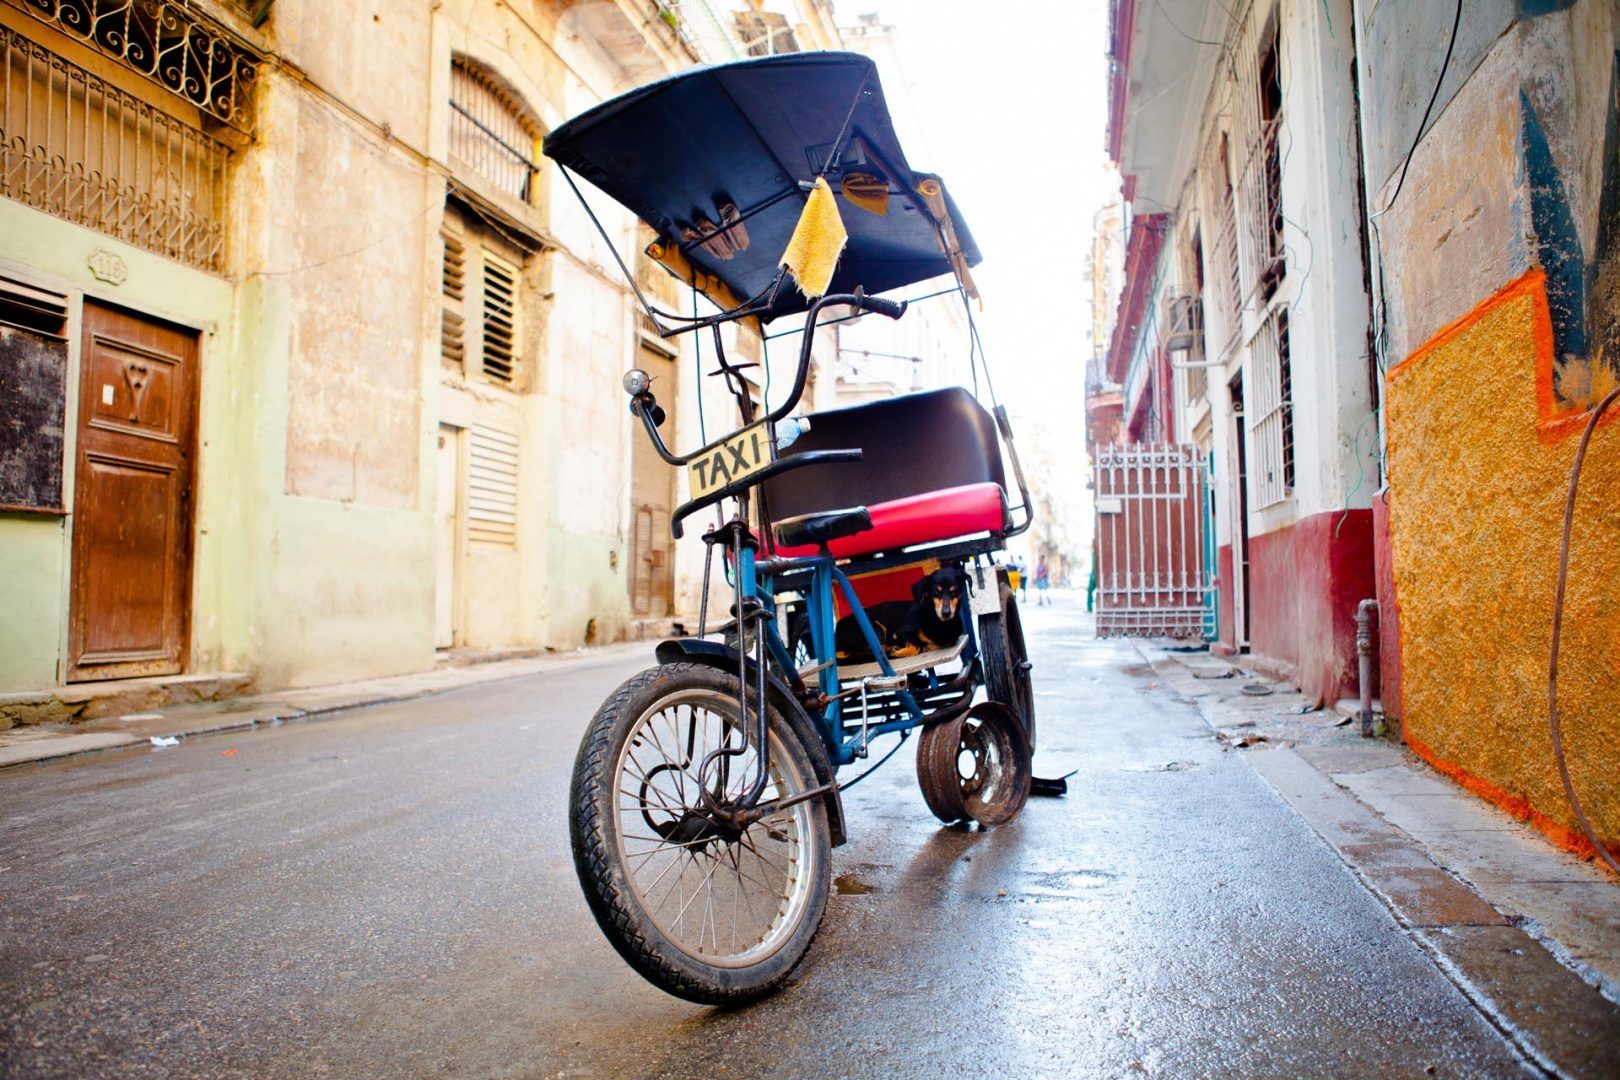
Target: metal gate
x=1152, y=579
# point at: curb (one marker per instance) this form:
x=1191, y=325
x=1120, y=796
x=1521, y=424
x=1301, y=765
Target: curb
x=1518, y=978
x=35, y=743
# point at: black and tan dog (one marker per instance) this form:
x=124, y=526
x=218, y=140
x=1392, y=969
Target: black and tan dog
x=932, y=619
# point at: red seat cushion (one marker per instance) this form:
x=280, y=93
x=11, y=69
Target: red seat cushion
x=922, y=519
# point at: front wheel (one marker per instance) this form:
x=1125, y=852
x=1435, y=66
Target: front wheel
x=701, y=911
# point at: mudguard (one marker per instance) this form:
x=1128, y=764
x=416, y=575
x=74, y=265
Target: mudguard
x=726, y=658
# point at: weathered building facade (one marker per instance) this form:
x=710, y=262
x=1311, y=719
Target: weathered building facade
x=328, y=364
x=1375, y=255
x=1242, y=321
x=1497, y=305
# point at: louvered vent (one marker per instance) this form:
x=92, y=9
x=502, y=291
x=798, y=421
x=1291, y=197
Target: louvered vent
x=500, y=318
x=492, y=480
x=453, y=336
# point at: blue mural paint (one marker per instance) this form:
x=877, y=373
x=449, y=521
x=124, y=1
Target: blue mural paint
x=1558, y=244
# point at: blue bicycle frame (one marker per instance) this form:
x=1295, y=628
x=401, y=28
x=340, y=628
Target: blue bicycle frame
x=843, y=747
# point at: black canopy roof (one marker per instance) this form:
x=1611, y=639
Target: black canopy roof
x=680, y=152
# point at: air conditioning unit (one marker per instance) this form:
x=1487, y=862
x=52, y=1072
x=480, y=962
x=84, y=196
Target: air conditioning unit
x=1183, y=322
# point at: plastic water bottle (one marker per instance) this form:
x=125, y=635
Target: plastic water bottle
x=789, y=430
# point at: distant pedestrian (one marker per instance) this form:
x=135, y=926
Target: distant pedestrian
x=1023, y=579
x=1042, y=583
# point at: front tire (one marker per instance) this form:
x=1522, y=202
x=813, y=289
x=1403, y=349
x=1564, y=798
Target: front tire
x=712, y=918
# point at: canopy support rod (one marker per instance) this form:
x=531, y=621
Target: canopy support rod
x=614, y=248
x=859, y=315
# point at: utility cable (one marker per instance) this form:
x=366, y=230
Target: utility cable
x=1557, y=627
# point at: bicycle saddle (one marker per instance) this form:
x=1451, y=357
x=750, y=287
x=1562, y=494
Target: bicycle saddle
x=820, y=528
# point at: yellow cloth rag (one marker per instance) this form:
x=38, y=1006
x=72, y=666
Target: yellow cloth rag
x=817, y=241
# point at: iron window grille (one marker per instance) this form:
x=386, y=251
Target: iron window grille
x=1271, y=411
x=79, y=148
x=491, y=132
x=171, y=43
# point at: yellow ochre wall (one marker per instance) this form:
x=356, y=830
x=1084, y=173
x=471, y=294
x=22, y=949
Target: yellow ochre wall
x=1478, y=473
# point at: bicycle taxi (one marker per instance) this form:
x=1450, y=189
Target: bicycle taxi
x=706, y=797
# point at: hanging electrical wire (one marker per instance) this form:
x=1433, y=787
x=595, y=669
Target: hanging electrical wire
x=1553, y=724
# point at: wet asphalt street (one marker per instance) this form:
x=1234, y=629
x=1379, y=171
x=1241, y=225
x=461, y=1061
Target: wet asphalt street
x=391, y=893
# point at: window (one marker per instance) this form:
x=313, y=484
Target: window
x=80, y=148
x=1272, y=411
x=453, y=335
x=492, y=131
x=499, y=357
x=1228, y=289
x=1192, y=276
x=481, y=328
x=1257, y=124
x=169, y=42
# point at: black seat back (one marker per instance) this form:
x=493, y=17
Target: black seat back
x=914, y=443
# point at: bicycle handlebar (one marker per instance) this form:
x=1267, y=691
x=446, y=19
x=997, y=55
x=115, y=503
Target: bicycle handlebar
x=645, y=405
x=879, y=306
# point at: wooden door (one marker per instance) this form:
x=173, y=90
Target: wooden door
x=652, y=498
x=131, y=589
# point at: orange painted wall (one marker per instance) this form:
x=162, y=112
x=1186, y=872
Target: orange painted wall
x=1479, y=465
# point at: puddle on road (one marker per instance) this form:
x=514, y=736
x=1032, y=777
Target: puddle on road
x=850, y=885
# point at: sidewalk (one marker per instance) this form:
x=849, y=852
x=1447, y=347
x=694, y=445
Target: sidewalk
x=1531, y=933
x=39, y=742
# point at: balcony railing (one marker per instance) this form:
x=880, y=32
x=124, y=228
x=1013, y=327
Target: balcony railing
x=169, y=43
x=81, y=149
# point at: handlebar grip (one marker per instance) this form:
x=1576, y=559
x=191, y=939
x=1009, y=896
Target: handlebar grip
x=880, y=306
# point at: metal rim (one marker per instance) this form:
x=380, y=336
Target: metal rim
x=976, y=766
x=725, y=902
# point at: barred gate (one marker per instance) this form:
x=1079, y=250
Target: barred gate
x=1152, y=527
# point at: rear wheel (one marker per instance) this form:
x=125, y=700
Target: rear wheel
x=976, y=766
x=705, y=912
x=1006, y=662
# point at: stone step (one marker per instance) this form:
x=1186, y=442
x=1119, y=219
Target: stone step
x=76, y=702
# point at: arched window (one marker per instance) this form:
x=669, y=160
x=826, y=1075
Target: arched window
x=491, y=130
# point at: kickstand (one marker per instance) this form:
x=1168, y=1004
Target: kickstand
x=1054, y=788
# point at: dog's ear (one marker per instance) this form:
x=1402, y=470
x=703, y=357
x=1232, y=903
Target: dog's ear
x=919, y=591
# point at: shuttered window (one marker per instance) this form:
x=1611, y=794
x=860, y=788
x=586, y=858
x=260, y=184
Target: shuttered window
x=492, y=481
x=481, y=327
x=499, y=357
x=453, y=335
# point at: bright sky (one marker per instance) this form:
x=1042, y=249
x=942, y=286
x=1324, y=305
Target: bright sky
x=1012, y=100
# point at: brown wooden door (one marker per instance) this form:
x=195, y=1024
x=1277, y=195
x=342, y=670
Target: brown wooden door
x=132, y=498
x=652, y=497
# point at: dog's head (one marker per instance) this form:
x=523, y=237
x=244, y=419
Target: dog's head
x=942, y=592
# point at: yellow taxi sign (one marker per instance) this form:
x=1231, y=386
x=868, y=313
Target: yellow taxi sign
x=740, y=456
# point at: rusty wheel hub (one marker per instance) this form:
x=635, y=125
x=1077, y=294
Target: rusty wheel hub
x=975, y=767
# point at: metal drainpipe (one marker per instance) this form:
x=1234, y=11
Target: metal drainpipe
x=1364, y=655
